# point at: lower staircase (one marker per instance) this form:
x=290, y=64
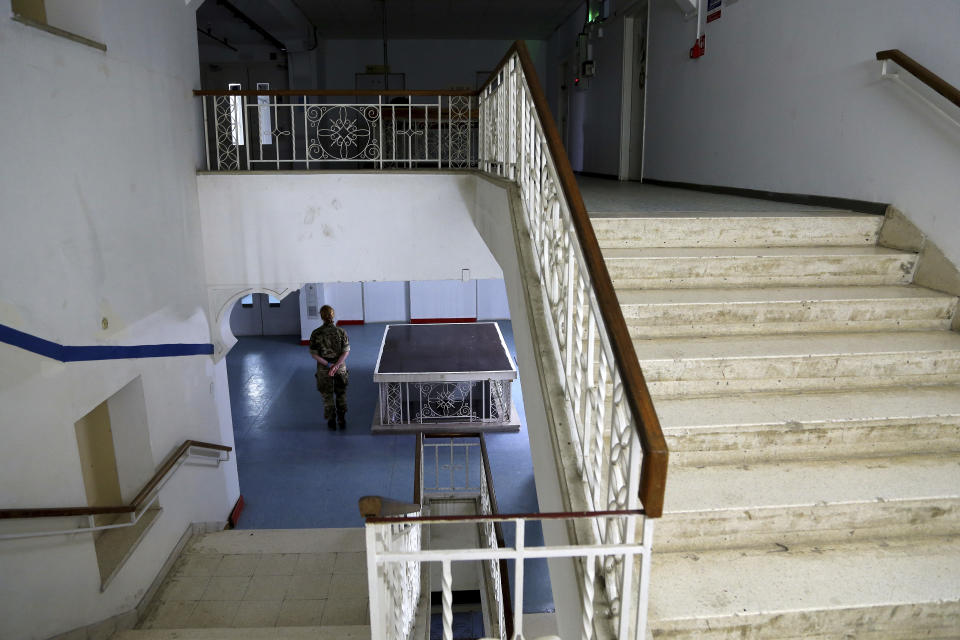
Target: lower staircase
x=810, y=396
x=287, y=584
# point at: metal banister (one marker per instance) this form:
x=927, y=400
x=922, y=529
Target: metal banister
x=922, y=74
x=653, y=474
x=135, y=504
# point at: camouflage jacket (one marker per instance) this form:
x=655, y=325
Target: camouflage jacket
x=329, y=342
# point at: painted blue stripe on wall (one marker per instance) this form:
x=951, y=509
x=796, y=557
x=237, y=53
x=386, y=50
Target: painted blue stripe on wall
x=65, y=353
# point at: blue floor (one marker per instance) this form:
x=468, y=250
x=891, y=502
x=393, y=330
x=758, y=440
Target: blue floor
x=296, y=473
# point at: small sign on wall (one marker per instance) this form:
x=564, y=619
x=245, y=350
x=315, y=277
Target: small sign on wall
x=713, y=10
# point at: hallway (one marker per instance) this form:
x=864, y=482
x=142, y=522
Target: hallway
x=295, y=473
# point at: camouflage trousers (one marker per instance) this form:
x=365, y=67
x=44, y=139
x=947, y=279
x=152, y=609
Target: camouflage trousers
x=333, y=390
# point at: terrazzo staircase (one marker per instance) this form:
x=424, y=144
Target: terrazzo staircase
x=810, y=396
x=291, y=584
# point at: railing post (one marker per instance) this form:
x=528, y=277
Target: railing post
x=306, y=134
x=518, y=584
x=206, y=131
x=586, y=616
x=447, y=586
x=377, y=624
x=643, y=599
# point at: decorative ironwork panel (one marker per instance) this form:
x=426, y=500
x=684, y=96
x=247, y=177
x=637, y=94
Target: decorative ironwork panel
x=460, y=134
x=500, y=400
x=446, y=400
x=343, y=132
x=401, y=581
x=391, y=401
x=227, y=117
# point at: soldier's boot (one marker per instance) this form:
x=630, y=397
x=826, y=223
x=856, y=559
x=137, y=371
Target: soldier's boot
x=342, y=419
x=332, y=423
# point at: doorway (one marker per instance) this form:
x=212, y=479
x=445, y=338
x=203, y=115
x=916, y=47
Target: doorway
x=633, y=97
x=260, y=314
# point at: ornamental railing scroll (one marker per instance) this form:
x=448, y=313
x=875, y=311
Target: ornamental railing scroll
x=606, y=431
x=435, y=402
x=286, y=130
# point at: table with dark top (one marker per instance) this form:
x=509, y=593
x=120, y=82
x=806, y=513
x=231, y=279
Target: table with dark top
x=452, y=376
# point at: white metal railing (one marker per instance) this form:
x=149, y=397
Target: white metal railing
x=394, y=589
x=390, y=559
x=513, y=145
x=457, y=467
x=447, y=467
x=263, y=130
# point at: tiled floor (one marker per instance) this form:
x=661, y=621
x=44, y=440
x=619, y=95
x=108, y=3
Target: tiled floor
x=296, y=473
x=262, y=590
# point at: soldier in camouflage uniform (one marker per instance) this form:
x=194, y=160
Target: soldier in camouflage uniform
x=329, y=346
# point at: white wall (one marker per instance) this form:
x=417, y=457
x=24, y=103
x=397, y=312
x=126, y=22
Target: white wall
x=788, y=98
x=277, y=231
x=100, y=220
x=443, y=299
x=428, y=64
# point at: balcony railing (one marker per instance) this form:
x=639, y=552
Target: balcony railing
x=307, y=130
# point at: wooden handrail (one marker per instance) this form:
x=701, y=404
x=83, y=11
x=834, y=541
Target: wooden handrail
x=504, y=517
x=923, y=74
x=135, y=504
x=653, y=473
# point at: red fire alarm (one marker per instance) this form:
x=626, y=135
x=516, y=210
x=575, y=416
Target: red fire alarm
x=699, y=47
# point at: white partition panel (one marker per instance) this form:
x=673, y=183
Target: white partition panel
x=346, y=298
x=385, y=302
x=443, y=300
x=492, y=300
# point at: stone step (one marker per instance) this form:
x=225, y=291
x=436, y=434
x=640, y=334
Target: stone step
x=879, y=589
x=657, y=268
x=754, y=230
x=736, y=364
x=782, y=505
x=351, y=632
x=761, y=427
x=700, y=312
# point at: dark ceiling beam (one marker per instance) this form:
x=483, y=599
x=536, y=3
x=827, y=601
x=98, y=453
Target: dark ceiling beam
x=247, y=20
x=222, y=41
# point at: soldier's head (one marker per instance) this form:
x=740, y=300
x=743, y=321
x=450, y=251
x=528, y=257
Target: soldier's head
x=326, y=313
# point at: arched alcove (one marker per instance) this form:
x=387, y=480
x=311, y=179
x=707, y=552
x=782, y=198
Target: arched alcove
x=223, y=338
